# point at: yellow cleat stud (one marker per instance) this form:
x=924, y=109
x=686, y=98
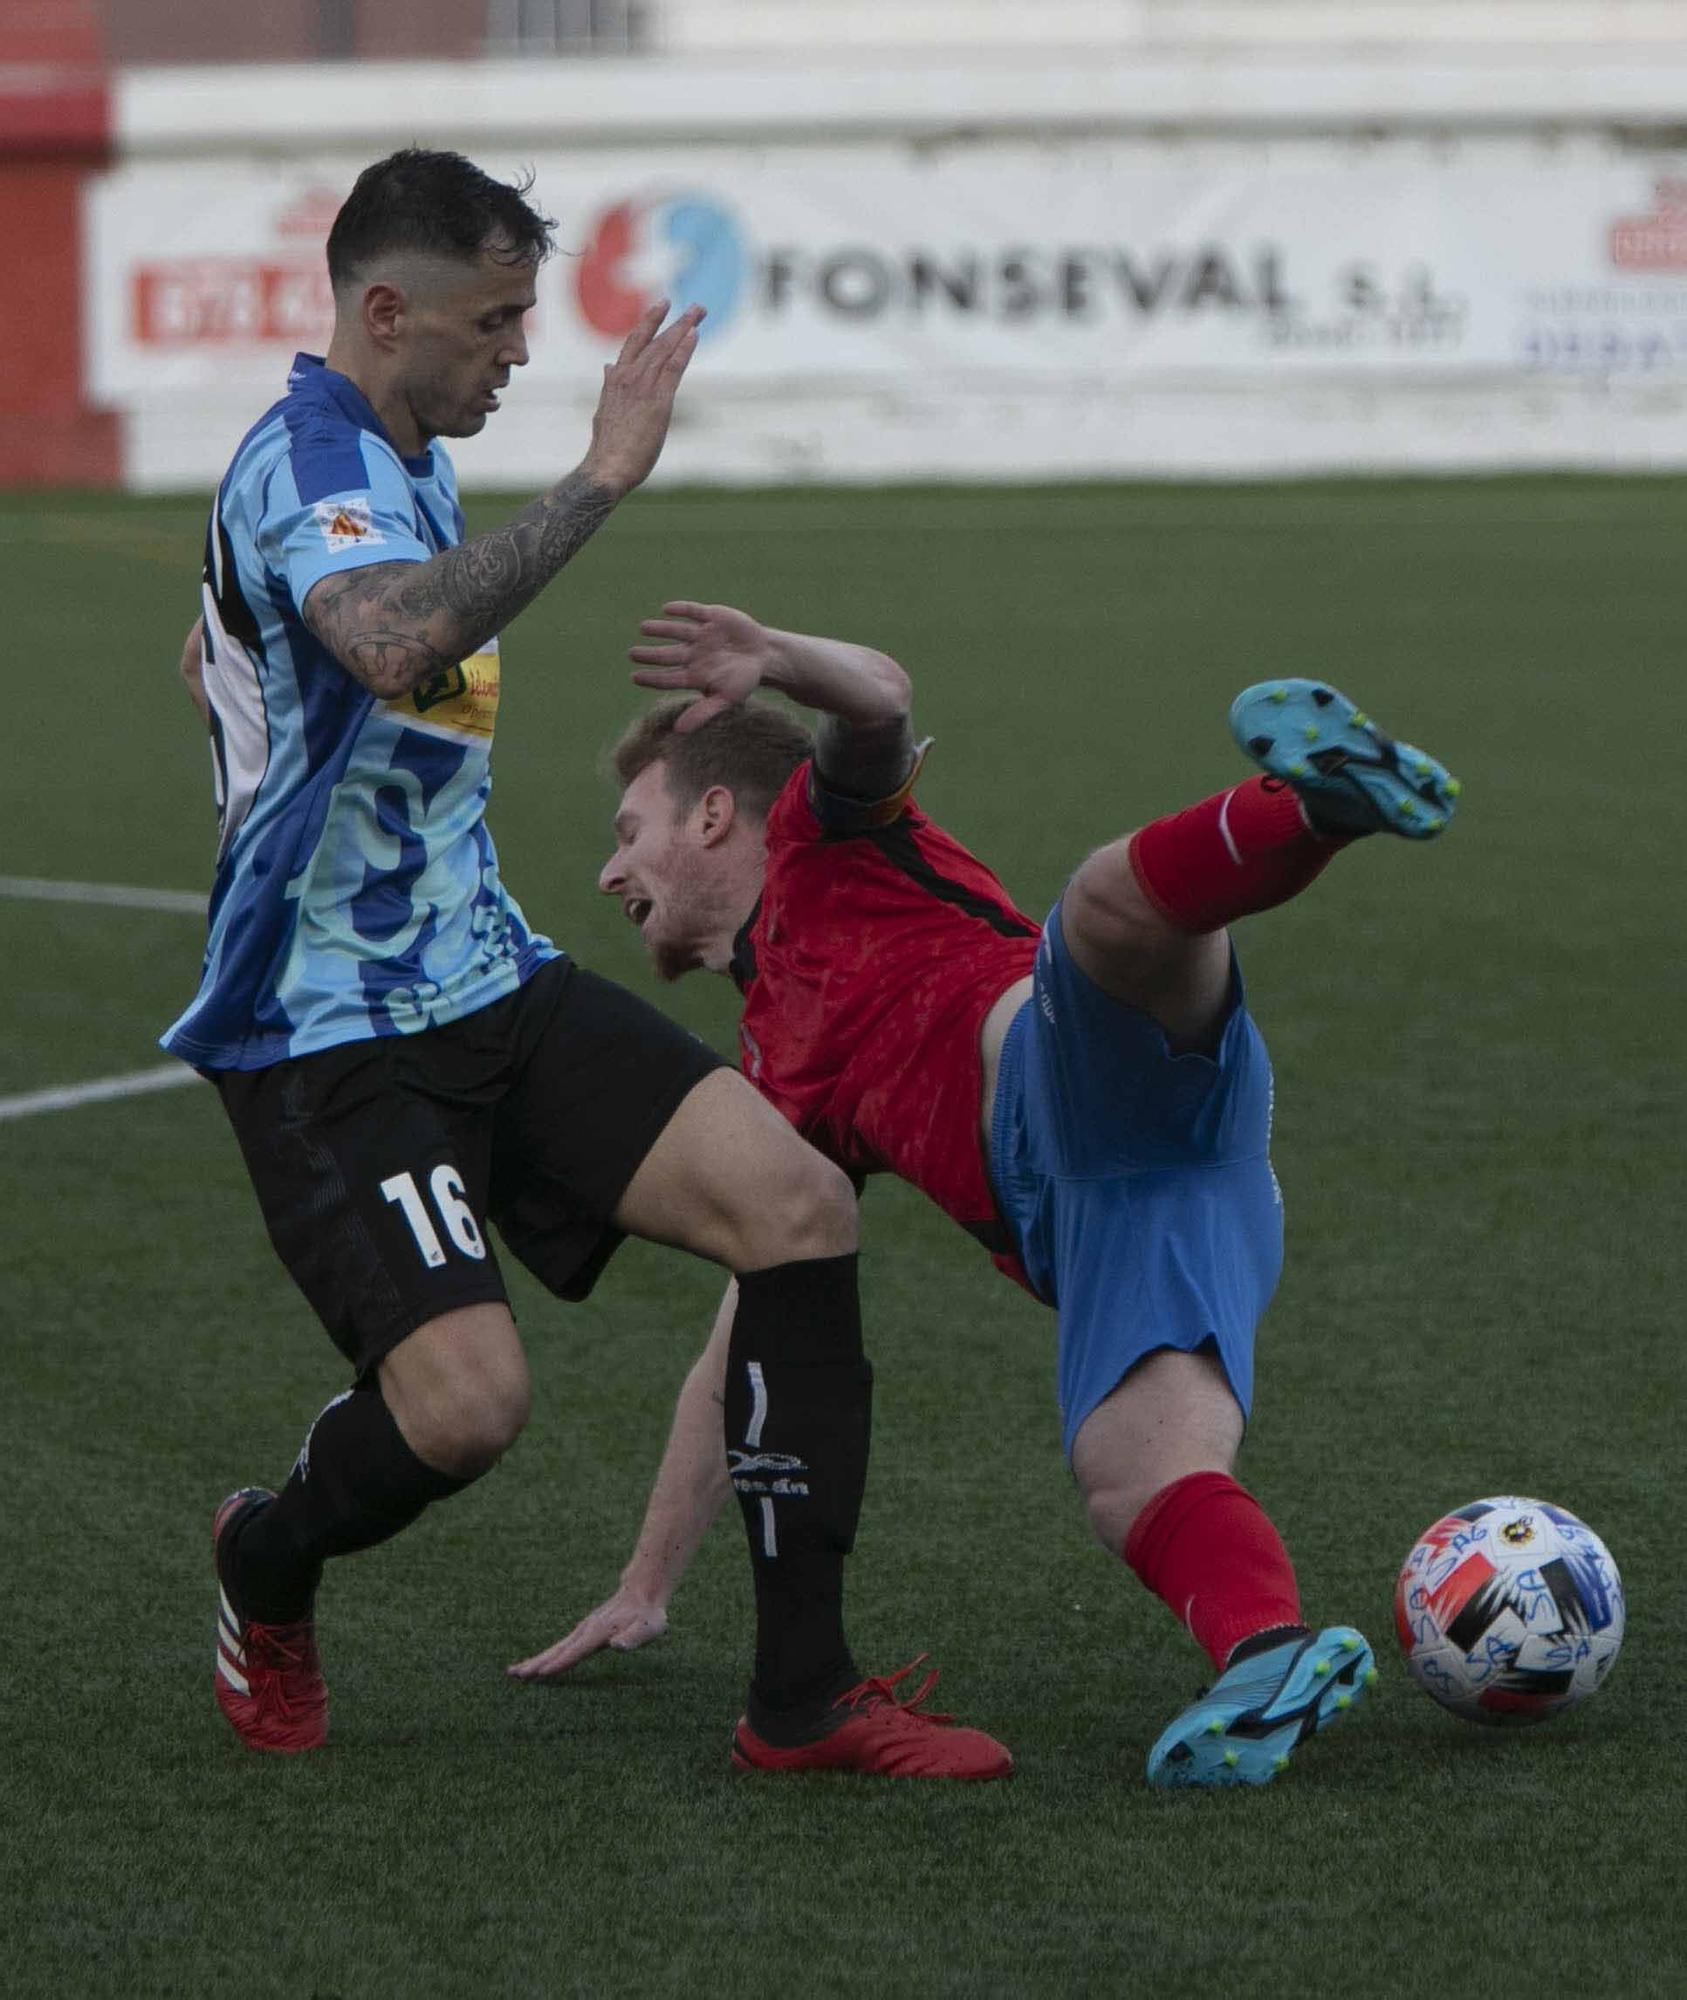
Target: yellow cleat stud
x=1215, y=1727
x=1322, y=1668
x=1298, y=769
x=1453, y=788
x=1279, y=694
x=1279, y=1763
x=1350, y=1645
x=1423, y=767
x=1232, y=1758
x=1432, y=823
x=1408, y=808
x=1313, y=732
x=1360, y=718
x=1370, y=1677
x=1344, y=1701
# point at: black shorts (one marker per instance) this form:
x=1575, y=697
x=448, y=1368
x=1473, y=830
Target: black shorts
x=379, y=1163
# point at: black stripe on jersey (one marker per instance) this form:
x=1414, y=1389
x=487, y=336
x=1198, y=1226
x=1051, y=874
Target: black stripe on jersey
x=239, y=621
x=898, y=846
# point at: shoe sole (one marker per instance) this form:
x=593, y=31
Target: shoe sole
x=1319, y=742
x=1327, y=1677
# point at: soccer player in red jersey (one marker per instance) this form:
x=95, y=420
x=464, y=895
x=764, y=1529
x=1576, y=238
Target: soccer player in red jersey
x=1089, y=1098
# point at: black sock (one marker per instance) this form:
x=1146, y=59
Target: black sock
x=356, y=1482
x=798, y=1412
x=1262, y=1642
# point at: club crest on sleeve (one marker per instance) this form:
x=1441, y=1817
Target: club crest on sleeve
x=345, y=524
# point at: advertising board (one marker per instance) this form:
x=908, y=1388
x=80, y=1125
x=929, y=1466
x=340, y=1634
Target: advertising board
x=893, y=284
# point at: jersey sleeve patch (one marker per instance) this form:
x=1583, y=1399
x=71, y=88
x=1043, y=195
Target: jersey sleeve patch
x=348, y=523
x=306, y=539
x=840, y=816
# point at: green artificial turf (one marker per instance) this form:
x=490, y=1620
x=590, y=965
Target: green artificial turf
x=1478, y=1133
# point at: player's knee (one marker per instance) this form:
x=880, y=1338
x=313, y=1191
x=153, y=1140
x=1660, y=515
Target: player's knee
x=1104, y=906
x=811, y=1212
x=819, y=1215
x=495, y=1418
x=470, y=1419
x=1112, y=1506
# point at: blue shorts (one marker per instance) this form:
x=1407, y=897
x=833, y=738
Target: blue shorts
x=1136, y=1183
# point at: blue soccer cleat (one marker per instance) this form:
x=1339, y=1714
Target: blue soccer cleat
x=1243, y=1730
x=1351, y=777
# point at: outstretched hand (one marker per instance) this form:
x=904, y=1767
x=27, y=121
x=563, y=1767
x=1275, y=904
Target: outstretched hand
x=630, y=425
x=722, y=653
x=621, y=1624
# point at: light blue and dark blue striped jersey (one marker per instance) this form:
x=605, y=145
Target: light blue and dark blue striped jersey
x=357, y=892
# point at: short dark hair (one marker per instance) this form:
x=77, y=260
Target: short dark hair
x=752, y=749
x=438, y=202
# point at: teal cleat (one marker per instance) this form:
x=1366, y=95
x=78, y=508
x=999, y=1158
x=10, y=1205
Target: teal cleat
x=1243, y=1730
x=1351, y=778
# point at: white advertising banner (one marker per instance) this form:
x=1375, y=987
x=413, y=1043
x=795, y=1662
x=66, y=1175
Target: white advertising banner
x=913, y=290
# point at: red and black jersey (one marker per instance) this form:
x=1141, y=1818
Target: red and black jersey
x=867, y=970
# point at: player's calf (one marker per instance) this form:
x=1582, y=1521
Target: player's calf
x=1212, y=1555
x=798, y=1397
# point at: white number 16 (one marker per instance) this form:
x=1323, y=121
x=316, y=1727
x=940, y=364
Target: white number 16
x=445, y=1184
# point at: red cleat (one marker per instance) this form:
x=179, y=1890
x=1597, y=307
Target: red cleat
x=882, y=1736
x=269, y=1678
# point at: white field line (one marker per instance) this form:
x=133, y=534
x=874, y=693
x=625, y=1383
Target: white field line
x=133, y=1083
x=35, y=889
x=137, y=1083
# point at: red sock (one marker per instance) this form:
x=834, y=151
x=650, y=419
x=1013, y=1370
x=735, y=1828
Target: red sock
x=1246, y=849
x=1206, y=1547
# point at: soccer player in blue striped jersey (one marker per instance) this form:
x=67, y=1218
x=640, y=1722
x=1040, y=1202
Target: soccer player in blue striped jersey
x=357, y=888
x=403, y=1059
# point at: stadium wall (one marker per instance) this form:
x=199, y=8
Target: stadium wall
x=1006, y=267
x=54, y=133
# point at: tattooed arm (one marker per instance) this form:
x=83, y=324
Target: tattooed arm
x=394, y=625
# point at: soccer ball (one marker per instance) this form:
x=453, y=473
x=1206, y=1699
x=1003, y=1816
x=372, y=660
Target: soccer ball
x=1509, y=1611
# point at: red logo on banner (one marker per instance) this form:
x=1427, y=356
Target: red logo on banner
x=224, y=301
x=1655, y=242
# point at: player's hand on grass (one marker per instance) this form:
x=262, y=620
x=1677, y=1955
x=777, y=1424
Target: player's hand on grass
x=722, y=653
x=621, y=1624
x=630, y=424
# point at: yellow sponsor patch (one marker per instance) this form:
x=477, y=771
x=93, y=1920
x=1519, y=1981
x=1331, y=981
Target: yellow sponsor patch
x=461, y=702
